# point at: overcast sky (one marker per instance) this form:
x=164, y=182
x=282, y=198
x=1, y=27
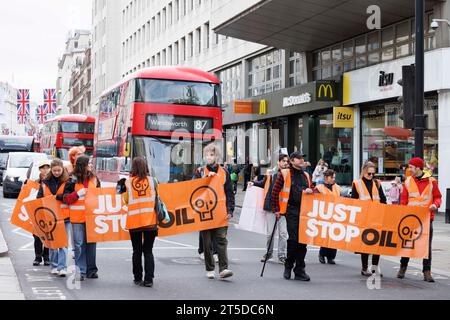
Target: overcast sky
x=32, y=38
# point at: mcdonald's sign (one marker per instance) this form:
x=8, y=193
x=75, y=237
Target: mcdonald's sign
x=326, y=90
x=263, y=107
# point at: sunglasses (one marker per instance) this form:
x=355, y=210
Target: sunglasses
x=371, y=173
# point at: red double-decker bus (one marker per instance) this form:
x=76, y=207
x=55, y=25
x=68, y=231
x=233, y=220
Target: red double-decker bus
x=164, y=114
x=66, y=131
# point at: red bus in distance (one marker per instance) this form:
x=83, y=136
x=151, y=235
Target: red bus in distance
x=66, y=131
x=164, y=114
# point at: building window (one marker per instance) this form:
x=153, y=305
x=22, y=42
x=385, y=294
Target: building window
x=296, y=69
x=265, y=73
x=387, y=144
x=231, y=84
x=191, y=44
x=199, y=39
x=389, y=43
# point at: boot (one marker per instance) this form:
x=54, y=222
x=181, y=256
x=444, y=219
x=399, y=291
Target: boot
x=427, y=276
x=302, y=276
x=321, y=259
x=287, y=273
x=401, y=273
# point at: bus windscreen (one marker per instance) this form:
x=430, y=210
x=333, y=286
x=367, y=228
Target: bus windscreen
x=77, y=127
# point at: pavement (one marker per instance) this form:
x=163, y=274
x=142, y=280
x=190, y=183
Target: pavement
x=180, y=274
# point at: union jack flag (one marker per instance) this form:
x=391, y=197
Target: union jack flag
x=23, y=105
x=41, y=114
x=50, y=101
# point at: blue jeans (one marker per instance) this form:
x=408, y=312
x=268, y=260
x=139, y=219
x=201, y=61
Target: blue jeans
x=85, y=253
x=58, y=257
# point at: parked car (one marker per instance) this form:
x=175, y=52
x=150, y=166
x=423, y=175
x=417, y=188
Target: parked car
x=17, y=169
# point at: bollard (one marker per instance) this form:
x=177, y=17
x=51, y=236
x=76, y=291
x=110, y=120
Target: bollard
x=447, y=207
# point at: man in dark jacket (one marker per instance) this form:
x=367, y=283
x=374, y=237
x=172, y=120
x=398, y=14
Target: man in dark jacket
x=283, y=163
x=297, y=182
x=248, y=167
x=212, y=155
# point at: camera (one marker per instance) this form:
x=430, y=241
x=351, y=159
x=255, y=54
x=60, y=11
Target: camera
x=434, y=25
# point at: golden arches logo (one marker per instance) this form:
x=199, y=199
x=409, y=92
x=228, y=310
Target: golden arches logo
x=324, y=89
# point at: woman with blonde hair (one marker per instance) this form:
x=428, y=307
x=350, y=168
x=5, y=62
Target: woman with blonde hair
x=368, y=189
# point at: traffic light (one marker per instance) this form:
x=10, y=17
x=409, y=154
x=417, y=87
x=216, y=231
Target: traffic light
x=408, y=99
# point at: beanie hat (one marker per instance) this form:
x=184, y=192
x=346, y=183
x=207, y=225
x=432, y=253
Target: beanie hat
x=417, y=162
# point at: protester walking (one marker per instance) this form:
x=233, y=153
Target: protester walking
x=287, y=195
x=248, y=168
x=40, y=251
x=329, y=187
x=54, y=185
x=74, y=196
x=420, y=190
x=369, y=189
x=395, y=191
x=267, y=184
x=139, y=194
x=318, y=174
x=212, y=168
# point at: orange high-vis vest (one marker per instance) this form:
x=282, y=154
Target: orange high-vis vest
x=286, y=191
x=141, y=203
x=364, y=193
x=77, y=210
x=64, y=207
x=220, y=172
x=414, y=197
x=324, y=190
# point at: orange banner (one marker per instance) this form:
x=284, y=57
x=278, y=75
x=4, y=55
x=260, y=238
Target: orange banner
x=193, y=206
x=48, y=222
x=363, y=226
x=20, y=217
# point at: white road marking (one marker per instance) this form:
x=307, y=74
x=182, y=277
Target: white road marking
x=173, y=242
x=20, y=231
x=28, y=245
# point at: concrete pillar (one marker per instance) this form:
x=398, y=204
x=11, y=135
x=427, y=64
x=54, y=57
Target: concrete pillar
x=357, y=163
x=444, y=143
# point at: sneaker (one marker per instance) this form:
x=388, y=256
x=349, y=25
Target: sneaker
x=201, y=256
x=282, y=260
x=216, y=258
x=54, y=271
x=226, y=274
x=62, y=273
x=93, y=276
x=36, y=262
x=138, y=282
x=263, y=259
x=46, y=263
x=80, y=277
x=331, y=261
x=211, y=275
x=365, y=273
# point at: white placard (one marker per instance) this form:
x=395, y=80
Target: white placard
x=253, y=217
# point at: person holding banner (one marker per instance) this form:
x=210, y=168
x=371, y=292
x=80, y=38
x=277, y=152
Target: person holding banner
x=212, y=155
x=267, y=184
x=139, y=194
x=328, y=188
x=420, y=189
x=54, y=185
x=287, y=194
x=40, y=251
x=74, y=196
x=370, y=189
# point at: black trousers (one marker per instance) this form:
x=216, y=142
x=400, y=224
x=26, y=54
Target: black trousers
x=426, y=262
x=200, y=245
x=40, y=250
x=246, y=181
x=365, y=260
x=142, y=242
x=296, y=253
x=328, y=253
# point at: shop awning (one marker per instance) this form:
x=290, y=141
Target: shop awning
x=304, y=25
x=398, y=132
